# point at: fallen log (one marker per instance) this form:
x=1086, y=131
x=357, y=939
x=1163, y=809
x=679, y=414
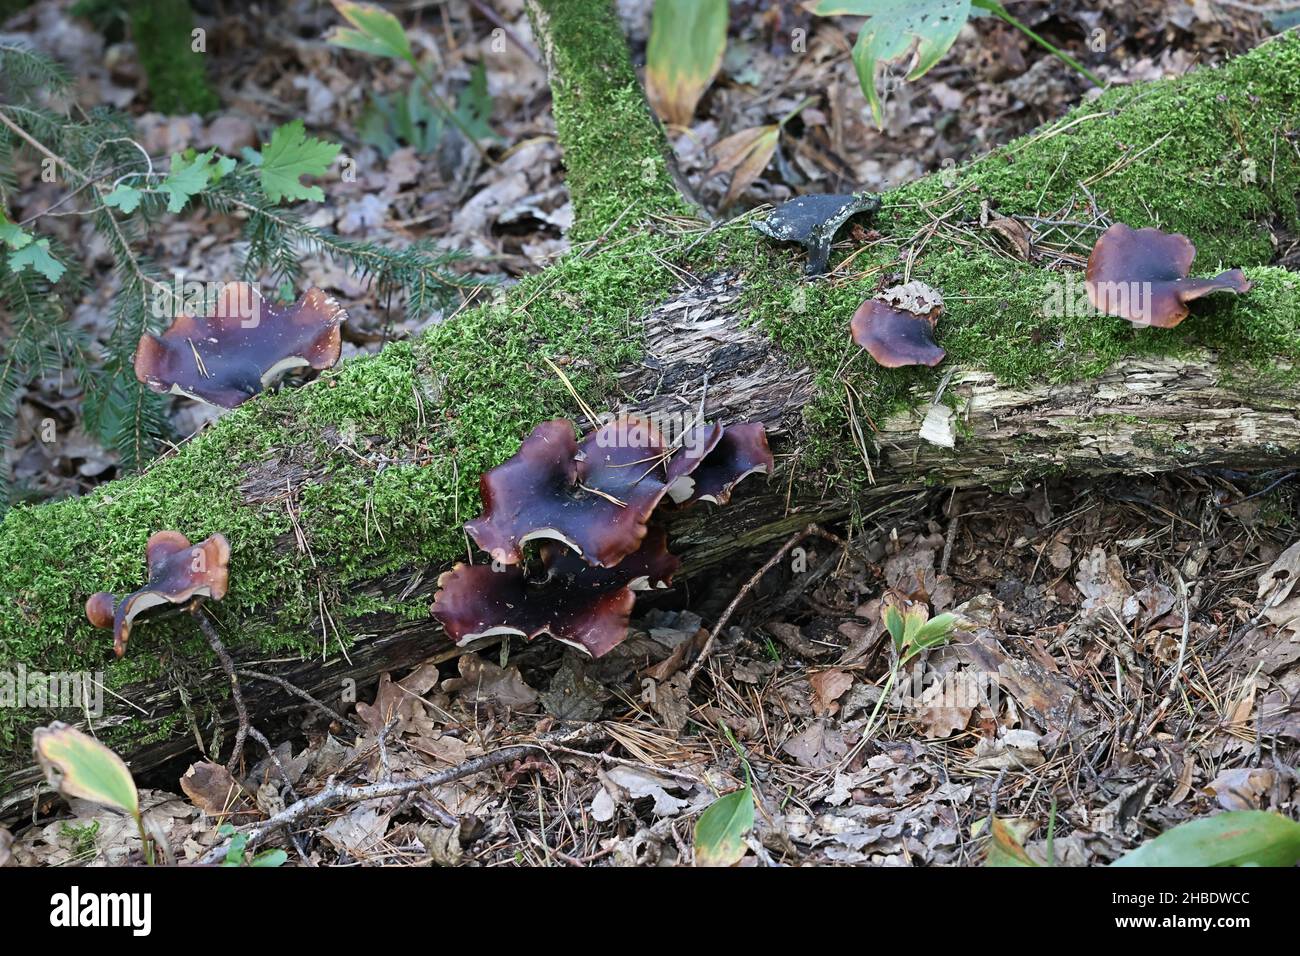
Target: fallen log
x=344, y=499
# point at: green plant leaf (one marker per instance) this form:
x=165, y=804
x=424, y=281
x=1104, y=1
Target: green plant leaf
x=687, y=40
x=11, y=234
x=1238, y=838
x=83, y=768
x=935, y=631
x=124, y=197
x=189, y=175
x=720, y=831
x=269, y=858
x=290, y=155
x=374, y=30
x=474, y=105
x=37, y=255
x=893, y=26
x=894, y=624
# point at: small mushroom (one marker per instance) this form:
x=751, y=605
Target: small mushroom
x=812, y=221
x=179, y=573
x=227, y=358
x=595, y=497
x=897, y=327
x=1141, y=275
x=714, y=460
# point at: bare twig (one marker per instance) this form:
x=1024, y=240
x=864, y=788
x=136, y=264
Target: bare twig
x=342, y=793
x=228, y=665
x=300, y=694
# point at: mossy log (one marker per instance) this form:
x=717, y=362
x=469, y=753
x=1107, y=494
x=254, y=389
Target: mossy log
x=344, y=499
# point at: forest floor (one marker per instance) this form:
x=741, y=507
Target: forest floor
x=1164, y=601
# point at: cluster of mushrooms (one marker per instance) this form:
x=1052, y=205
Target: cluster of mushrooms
x=1134, y=274
x=592, y=504
x=241, y=346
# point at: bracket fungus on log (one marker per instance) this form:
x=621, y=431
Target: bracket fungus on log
x=595, y=497
x=812, y=221
x=714, y=460
x=581, y=605
x=897, y=326
x=179, y=573
x=226, y=358
x=1141, y=275
x=586, y=502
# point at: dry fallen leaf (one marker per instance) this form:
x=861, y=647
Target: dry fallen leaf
x=482, y=681
x=745, y=155
x=213, y=790
x=623, y=784
x=828, y=686
x=1100, y=579
x=945, y=707
x=819, y=746
x=1241, y=789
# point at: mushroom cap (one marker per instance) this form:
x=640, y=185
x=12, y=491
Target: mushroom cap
x=475, y=601
x=813, y=220
x=894, y=337
x=99, y=609
x=728, y=456
x=228, y=357
x=178, y=574
x=650, y=566
x=595, y=497
x=1141, y=275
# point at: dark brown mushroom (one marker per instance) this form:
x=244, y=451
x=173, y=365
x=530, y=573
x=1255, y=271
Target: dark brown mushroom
x=245, y=346
x=595, y=497
x=713, y=460
x=579, y=604
x=179, y=573
x=650, y=566
x=1141, y=275
x=897, y=327
x=476, y=601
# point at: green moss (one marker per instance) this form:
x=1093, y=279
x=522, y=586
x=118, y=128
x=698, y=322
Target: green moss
x=614, y=149
x=393, y=443
x=177, y=75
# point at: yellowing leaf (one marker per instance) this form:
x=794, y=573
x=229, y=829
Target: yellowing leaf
x=374, y=30
x=720, y=831
x=1006, y=845
x=745, y=155
x=83, y=768
x=687, y=39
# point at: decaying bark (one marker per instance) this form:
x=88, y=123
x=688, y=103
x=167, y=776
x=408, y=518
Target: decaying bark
x=1140, y=415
